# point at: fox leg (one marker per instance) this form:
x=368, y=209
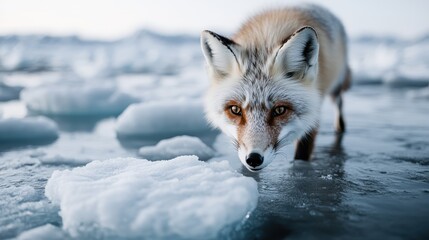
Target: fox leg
x=304, y=146
x=337, y=98
x=340, y=125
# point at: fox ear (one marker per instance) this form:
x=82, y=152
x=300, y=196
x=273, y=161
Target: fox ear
x=220, y=53
x=298, y=54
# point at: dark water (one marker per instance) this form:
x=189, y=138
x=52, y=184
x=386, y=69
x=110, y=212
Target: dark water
x=370, y=183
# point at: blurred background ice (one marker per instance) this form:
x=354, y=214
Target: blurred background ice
x=100, y=80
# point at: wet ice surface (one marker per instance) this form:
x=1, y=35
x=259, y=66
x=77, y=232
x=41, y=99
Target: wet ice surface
x=374, y=185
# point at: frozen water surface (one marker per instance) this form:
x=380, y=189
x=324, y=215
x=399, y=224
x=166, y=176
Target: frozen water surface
x=375, y=184
x=370, y=183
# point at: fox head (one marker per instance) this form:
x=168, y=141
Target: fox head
x=262, y=96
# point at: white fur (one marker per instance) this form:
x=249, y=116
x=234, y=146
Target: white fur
x=289, y=56
x=223, y=58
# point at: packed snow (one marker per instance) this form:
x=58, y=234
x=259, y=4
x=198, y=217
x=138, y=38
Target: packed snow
x=182, y=198
x=163, y=118
x=27, y=129
x=77, y=98
x=177, y=146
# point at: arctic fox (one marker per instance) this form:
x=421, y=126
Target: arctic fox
x=269, y=79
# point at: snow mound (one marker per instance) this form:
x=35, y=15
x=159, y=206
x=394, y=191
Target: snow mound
x=77, y=98
x=163, y=118
x=182, y=198
x=27, y=129
x=177, y=146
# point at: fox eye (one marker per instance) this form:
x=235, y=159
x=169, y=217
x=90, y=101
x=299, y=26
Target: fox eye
x=279, y=111
x=236, y=110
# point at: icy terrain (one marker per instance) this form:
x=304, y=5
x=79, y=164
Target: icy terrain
x=78, y=118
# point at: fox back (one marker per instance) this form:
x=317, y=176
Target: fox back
x=269, y=79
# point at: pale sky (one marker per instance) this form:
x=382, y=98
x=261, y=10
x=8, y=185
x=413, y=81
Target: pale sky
x=111, y=19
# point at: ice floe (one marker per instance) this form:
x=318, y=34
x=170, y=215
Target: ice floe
x=163, y=118
x=177, y=146
x=182, y=198
x=77, y=98
x=27, y=129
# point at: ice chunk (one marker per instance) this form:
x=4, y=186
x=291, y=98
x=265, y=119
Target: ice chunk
x=77, y=98
x=182, y=198
x=164, y=118
x=177, y=146
x=45, y=232
x=27, y=129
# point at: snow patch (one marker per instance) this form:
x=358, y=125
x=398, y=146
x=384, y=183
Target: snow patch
x=177, y=146
x=163, y=118
x=26, y=129
x=182, y=198
x=77, y=98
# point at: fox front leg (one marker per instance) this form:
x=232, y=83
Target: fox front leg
x=305, y=145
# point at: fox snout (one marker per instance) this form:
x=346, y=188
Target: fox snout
x=254, y=160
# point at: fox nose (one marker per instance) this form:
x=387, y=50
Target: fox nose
x=254, y=159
